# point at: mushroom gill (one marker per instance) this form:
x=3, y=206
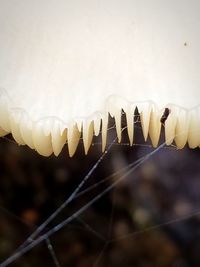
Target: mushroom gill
x=65, y=65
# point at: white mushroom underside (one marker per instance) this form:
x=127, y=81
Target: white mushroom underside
x=64, y=65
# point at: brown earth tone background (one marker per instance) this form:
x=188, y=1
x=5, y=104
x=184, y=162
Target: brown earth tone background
x=150, y=219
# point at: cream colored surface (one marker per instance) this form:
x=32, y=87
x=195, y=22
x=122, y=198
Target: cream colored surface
x=65, y=64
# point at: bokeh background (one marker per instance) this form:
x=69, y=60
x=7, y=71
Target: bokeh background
x=151, y=218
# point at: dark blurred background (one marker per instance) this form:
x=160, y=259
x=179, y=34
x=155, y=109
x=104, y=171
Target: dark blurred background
x=151, y=218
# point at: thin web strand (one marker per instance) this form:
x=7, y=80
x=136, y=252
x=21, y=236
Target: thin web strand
x=90, y=229
x=108, y=178
x=52, y=252
x=49, y=245
x=17, y=218
x=71, y=197
x=154, y=227
x=68, y=200
x=100, y=255
x=55, y=229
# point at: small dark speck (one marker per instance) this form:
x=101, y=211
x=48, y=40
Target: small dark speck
x=185, y=44
x=165, y=115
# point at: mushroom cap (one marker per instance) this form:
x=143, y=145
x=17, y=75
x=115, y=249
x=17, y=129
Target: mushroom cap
x=64, y=65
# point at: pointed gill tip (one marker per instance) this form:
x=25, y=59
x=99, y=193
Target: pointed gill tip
x=180, y=126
